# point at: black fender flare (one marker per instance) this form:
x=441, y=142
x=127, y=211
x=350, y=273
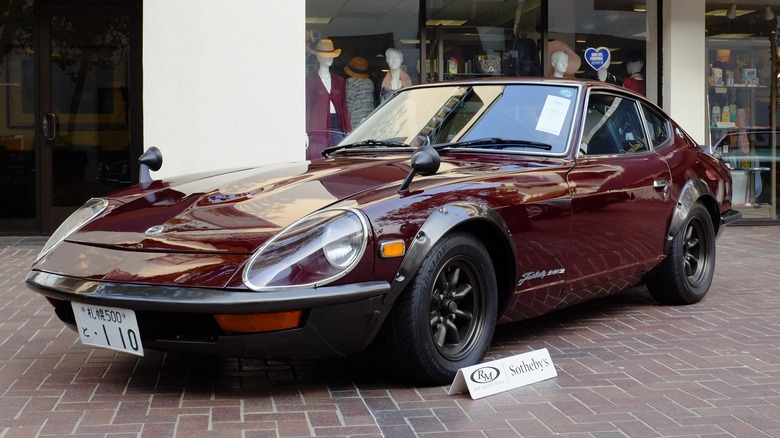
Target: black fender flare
x=442, y=221
x=692, y=192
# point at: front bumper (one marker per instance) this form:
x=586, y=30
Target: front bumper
x=339, y=320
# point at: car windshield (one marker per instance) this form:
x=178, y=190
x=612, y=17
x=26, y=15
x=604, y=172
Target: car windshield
x=519, y=117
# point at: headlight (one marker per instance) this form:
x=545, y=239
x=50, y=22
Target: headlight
x=86, y=213
x=315, y=250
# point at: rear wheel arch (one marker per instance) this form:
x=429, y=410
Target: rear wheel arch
x=694, y=192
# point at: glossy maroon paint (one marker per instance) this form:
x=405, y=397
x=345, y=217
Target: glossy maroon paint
x=579, y=226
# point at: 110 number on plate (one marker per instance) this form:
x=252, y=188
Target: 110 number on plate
x=108, y=327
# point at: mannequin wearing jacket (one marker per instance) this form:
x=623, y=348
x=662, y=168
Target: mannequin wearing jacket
x=326, y=104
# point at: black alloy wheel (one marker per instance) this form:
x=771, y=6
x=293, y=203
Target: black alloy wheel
x=686, y=275
x=445, y=319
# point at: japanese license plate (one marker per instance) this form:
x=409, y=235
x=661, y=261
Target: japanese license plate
x=108, y=327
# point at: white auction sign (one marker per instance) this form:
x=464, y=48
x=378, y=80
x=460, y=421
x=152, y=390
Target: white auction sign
x=504, y=374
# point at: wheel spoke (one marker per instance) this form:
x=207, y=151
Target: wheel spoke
x=441, y=284
x=440, y=334
x=462, y=291
x=463, y=315
x=452, y=331
x=688, y=268
x=688, y=233
x=453, y=277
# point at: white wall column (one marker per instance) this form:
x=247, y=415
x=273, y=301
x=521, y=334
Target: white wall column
x=684, y=65
x=223, y=83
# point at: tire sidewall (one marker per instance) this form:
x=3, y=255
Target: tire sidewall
x=453, y=246
x=691, y=293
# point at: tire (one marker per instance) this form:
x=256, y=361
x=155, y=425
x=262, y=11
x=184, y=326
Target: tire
x=686, y=274
x=446, y=317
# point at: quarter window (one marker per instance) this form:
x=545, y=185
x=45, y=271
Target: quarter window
x=657, y=126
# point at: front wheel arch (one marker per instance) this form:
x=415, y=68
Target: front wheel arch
x=446, y=317
x=476, y=219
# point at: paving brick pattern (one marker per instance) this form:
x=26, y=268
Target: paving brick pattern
x=627, y=367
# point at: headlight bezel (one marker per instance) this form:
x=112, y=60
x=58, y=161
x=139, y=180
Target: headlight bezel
x=88, y=212
x=286, y=256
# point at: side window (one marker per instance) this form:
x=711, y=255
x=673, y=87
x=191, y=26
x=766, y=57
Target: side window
x=657, y=125
x=612, y=126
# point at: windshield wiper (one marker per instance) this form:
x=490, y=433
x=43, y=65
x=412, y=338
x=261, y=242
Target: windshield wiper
x=366, y=144
x=495, y=143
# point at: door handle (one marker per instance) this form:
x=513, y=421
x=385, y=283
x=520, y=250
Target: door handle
x=660, y=184
x=49, y=126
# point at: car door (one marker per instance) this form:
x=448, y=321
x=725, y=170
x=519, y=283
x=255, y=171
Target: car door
x=620, y=199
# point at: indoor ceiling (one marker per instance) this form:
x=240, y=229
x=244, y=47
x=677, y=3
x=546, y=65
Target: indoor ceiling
x=400, y=17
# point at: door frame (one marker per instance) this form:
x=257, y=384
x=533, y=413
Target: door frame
x=49, y=217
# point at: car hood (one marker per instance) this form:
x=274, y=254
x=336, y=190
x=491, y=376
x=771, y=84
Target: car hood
x=236, y=211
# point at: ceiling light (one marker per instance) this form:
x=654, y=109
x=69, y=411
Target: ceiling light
x=769, y=14
x=445, y=22
x=723, y=12
x=732, y=13
x=318, y=20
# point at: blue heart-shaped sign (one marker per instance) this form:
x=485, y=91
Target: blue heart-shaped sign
x=597, y=58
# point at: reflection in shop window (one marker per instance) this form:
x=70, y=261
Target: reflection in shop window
x=482, y=39
x=610, y=37
x=376, y=44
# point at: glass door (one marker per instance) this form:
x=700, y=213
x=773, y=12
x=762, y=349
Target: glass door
x=84, y=128
x=17, y=119
x=742, y=102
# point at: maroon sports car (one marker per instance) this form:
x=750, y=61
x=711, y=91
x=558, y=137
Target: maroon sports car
x=451, y=208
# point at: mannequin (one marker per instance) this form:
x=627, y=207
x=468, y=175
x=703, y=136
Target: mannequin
x=635, y=80
x=326, y=105
x=568, y=62
x=360, y=90
x=395, y=78
x=604, y=75
x=560, y=62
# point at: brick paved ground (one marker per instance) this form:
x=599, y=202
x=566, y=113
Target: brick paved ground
x=626, y=367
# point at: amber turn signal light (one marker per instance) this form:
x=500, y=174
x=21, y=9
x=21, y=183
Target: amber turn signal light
x=393, y=248
x=259, y=322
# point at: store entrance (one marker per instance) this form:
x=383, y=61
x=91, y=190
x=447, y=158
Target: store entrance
x=742, y=102
x=70, y=77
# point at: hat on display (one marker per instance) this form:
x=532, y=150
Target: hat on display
x=357, y=68
x=559, y=46
x=325, y=48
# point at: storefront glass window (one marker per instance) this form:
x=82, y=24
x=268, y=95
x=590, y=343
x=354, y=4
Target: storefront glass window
x=482, y=39
x=17, y=94
x=355, y=46
x=604, y=40
x=742, y=88
x=357, y=53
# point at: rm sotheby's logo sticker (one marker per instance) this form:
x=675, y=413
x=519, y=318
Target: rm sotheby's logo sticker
x=500, y=375
x=485, y=374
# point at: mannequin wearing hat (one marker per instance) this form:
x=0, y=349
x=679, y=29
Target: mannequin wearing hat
x=395, y=78
x=560, y=62
x=360, y=90
x=563, y=61
x=327, y=117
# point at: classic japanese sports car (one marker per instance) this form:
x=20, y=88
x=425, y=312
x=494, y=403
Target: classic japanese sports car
x=451, y=208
